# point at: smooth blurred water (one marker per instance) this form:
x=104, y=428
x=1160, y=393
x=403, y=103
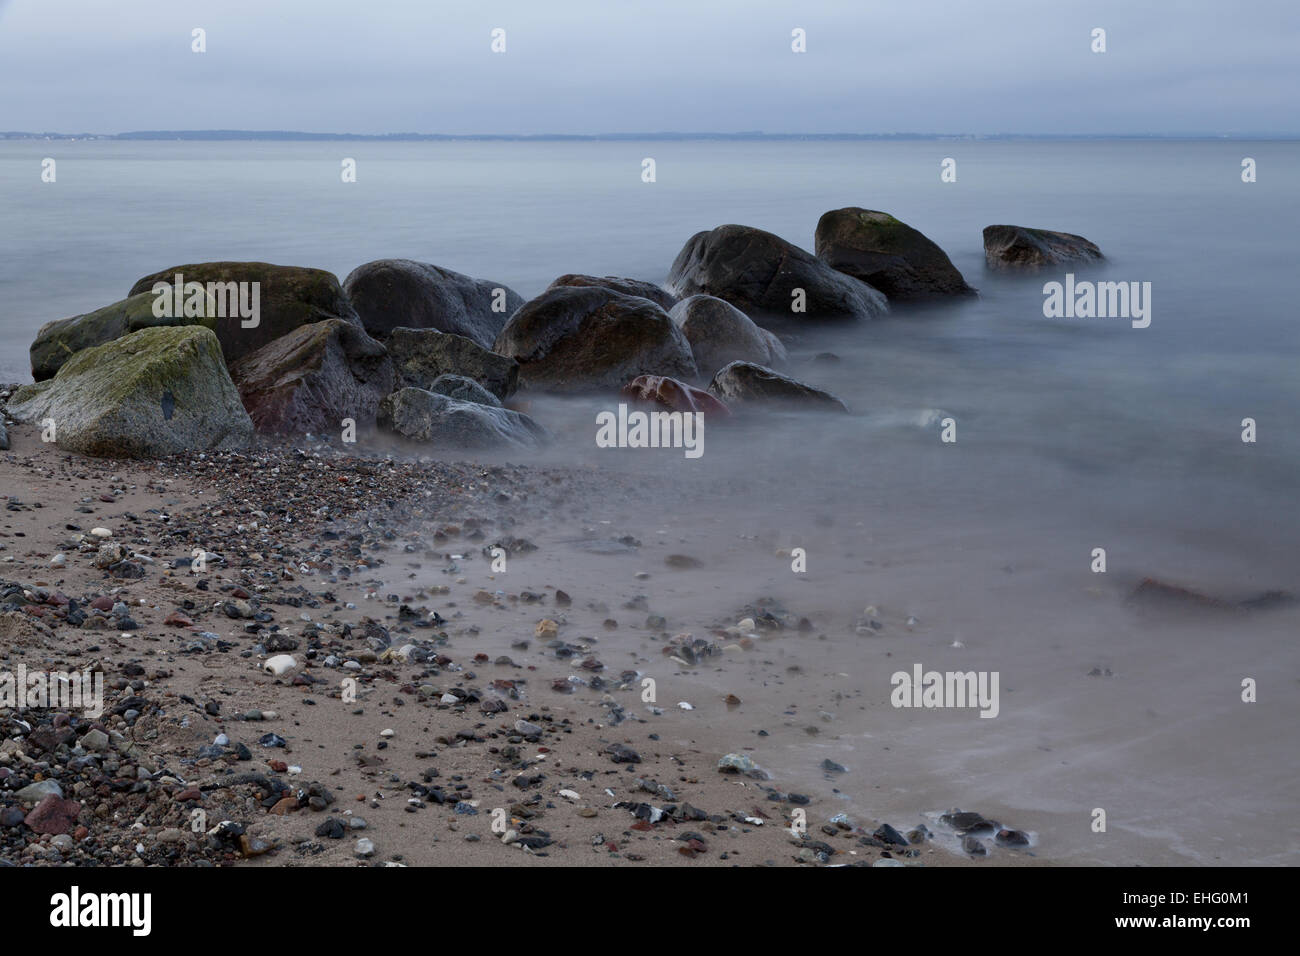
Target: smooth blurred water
x=1092, y=395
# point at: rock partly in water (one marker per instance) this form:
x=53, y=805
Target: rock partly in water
x=287, y=297
x=463, y=389
x=574, y=338
x=423, y=416
x=763, y=275
x=402, y=293
x=152, y=393
x=747, y=382
x=887, y=254
x=421, y=355
x=675, y=395
x=313, y=378
x=1019, y=247
x=720, y=333
x=646, y=290
x=58, y=341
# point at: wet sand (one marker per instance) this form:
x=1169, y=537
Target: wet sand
x=1106, y=701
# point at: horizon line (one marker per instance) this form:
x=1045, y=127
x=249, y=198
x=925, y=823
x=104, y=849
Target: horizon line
x=290, y=135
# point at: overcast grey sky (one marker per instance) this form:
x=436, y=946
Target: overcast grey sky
x=591, y=66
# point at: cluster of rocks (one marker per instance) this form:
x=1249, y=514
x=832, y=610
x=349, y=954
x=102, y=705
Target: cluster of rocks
x=133, y=380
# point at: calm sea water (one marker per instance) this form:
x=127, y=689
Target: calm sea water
x=1093, y=393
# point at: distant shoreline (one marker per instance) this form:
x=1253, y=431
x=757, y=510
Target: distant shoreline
x=749, y=136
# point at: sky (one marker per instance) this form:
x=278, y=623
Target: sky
x=610, y=66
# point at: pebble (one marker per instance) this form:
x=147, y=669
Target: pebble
x=280, y=664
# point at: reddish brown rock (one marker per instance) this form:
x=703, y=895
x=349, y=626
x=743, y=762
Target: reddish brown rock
x=177, y=619
x=53, y=815
x=671, y=393
x=313, y=378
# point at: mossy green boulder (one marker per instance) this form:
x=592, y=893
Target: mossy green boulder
x=888, y=254
x=152, y=393
x=61, y=339
x=288, y=297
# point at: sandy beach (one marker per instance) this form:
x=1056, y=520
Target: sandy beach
x=330, y=551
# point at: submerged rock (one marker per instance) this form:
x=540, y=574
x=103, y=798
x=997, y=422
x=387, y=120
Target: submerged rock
x=720, y=333
x=287, y=297
x=313, y=378
x=675, y=395
x=762, y=274
x=402, y=293
x=1020, y=247
x=421, y=355
x=888, y=254
x=747, y=382
x=153, y=393
x=575, y=338
x=646, y=290
x=423, y=416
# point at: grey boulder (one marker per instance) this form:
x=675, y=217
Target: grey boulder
x=888, y=254
x=584, y=338
x=742, y=382
x=403, y=293
x=421, y=355
x=1020, y=247
x=720, y=333
x=463, y=389
x=763, y=275
x=423, y=416
x=646, y=290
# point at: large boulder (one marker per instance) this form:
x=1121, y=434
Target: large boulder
x=423, y=416
x=1019, y=247
x=402, y=293
x=720, y=333
x=760, y=273
x=286, y=297
x=646, y=290
x=58, y=341
x=313, y=378
x=887, y=254
x=746, y=382
x=576, y=338
x=421, y=355
x=152, y=393
x=674, y=395
x=464, y=389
